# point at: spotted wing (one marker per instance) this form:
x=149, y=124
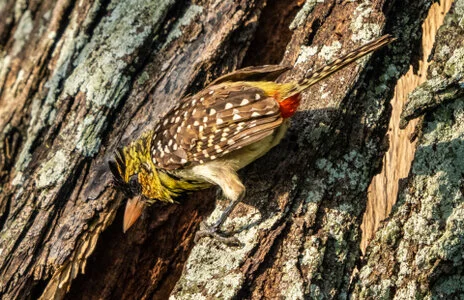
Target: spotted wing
x=254, y=73
x=212, y=123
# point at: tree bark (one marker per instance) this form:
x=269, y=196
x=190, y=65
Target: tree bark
x=383, y=190
x=417, y=253
x=78, y=80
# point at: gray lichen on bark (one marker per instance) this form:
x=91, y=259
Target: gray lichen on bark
x=317, y=229
x=418, y=251
x=115, y=66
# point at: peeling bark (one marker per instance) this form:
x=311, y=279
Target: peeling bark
x=417, y=253
x=383, y=190
x=78, y=80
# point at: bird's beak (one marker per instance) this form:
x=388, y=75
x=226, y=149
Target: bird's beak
x=134, y=208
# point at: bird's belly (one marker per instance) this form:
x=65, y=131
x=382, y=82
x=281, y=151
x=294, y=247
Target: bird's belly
x=243, y=157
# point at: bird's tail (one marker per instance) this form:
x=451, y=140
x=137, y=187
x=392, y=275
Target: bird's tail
x=339, y=64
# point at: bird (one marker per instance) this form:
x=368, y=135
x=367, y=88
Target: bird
x=207, y=137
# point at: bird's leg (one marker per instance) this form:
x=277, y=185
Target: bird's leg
x=226, y=212
x=232, y=188
x=214, y=231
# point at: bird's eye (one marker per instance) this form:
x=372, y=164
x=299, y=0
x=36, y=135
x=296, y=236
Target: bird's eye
x=134, y=185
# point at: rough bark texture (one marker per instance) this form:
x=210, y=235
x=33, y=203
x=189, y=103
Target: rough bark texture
x=383, y=190
x=418, y=251
x=79, y=79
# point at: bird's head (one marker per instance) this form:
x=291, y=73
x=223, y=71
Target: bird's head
x=135, y=174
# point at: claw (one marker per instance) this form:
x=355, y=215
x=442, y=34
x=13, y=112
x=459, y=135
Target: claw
x=222, y=237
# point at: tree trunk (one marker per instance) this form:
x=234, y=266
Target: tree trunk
x=79, y=79
x=417, y=253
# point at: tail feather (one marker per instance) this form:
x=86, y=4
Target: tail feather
x=339, y=64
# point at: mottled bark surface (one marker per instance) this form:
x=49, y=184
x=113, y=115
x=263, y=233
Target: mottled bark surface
x=418, y=251
x=383, y=190
x=79, y=79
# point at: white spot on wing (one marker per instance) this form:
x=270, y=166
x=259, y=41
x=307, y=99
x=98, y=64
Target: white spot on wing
x=244, y=102
x=212, y=111
x=219, y=121
x=257, y=97
x=236, y=117
x=228, y=106
x=255, y=114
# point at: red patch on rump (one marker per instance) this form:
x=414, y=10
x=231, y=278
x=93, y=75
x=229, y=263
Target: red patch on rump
x=289, y=106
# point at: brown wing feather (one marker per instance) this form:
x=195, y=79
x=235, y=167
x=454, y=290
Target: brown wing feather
x=212, y=123
x=255, y=73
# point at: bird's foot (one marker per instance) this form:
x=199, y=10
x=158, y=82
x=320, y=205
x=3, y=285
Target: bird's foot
x=215, y=233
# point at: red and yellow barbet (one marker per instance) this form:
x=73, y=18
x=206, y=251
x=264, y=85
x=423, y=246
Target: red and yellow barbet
x=206, y=138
